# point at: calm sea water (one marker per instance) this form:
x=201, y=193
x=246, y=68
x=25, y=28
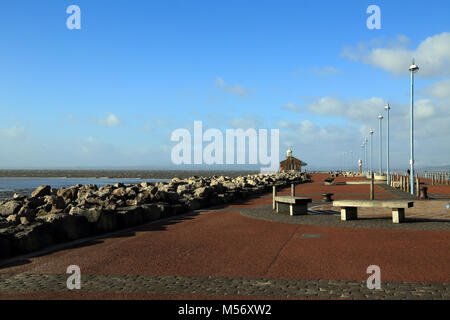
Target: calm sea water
x=9, y=186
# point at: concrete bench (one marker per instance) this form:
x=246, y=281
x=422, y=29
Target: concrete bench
x=349, y=208
x=297, y=206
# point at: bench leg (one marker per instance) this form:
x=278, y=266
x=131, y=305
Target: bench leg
x=398, y=215
x=349, y=213
x=278, y=206
x=298, y=210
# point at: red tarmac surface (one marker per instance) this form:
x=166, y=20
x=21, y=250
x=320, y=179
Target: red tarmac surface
x=224, y=243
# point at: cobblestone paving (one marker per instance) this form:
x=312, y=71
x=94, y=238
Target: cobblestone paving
x=276, y=288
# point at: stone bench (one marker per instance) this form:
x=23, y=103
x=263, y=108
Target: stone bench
x=349, y=208
x=297, y=206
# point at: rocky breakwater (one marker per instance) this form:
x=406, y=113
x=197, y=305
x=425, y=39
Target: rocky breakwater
x=52, y=216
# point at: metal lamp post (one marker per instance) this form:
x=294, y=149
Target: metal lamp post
x=365, y=152
x=412, y=69
x=343, y=161
x=380, y=117
x=387, y=108
x=363, y=147
x=351, y=161
x=371, y=147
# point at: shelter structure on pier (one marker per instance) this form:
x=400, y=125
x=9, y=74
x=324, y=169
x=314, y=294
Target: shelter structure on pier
x=291, y=163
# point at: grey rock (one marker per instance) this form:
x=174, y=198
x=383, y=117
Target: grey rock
x=34, y=202
x=91, y=214
x=10, y=207
x=203, y=192
x=68, y=194
x=42, y=191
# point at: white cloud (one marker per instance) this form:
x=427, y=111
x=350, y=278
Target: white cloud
x=439, y=90
x=326, y=71
x=321, y=72
x=354, y=109
x=235, y=90
x=292, y=107
x=284, y=124
x=432, y=55
x=245, y=123
x=111, y=120
x=424, y=109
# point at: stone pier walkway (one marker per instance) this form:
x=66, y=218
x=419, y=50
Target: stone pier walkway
x=226, y=253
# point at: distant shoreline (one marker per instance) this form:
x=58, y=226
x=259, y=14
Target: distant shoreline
x=119, y=174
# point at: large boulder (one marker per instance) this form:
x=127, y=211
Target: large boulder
x=26, y=212
x=12, y=218
x=24, y=220
x=101, y=220
x=42, y=191
x=144, y=196
x=91, y=214
x=109, y=205
x=43, y=210
x=85, y=193
x=185, y=188
x=108, y=221
x=68, y=194
x=66, y=227
x=10, y=207
x=131, y=192
x=130, y=216
x=19, y=197
x=167, y=196
x=30, y=238
x=203, y=192
x=119, y=192
x=151, y=212
x=145, y=184
x=192, y=203
x=218, y=186
x=229, y=185
x=56, y=202
x=34, y=202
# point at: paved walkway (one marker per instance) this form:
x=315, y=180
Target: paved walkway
x=214, y=254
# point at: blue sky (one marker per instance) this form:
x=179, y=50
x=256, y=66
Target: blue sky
x=111, y=93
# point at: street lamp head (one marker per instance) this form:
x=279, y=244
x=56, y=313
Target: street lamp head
x=414, y=68
x=380, y=117
x=371, y=131
x=387, y=107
